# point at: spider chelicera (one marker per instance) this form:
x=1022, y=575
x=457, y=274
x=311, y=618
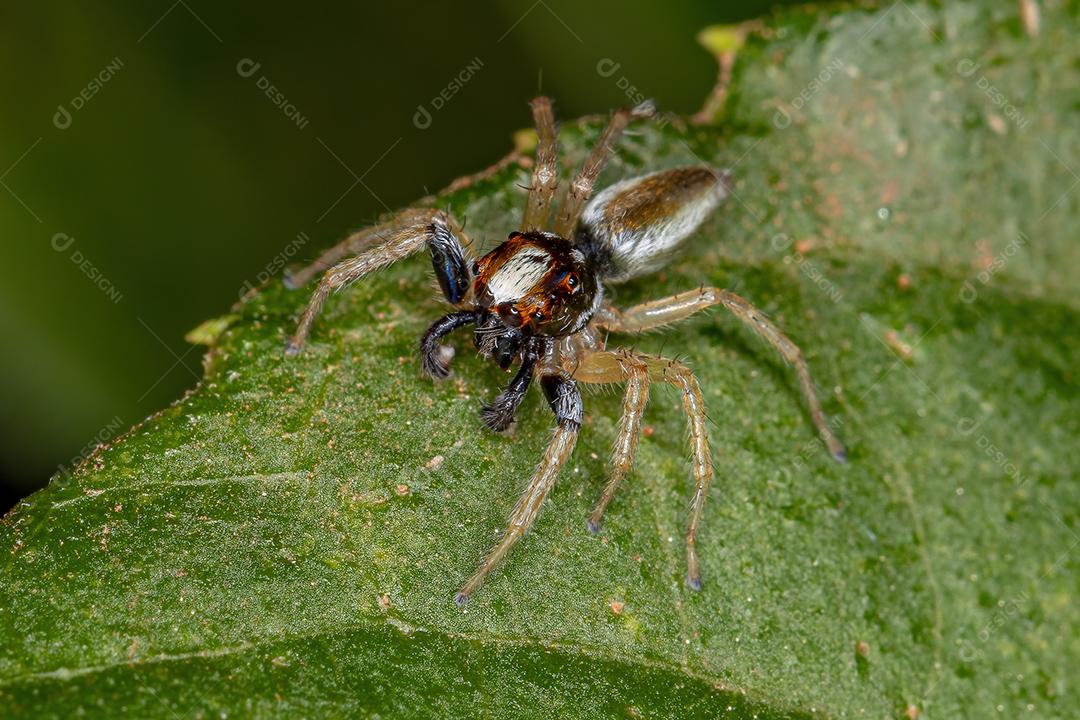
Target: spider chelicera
x=538, y=300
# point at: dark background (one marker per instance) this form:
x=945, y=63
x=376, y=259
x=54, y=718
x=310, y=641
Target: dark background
x=178, y=180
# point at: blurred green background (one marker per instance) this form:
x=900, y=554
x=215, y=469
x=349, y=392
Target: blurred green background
x=149, y=171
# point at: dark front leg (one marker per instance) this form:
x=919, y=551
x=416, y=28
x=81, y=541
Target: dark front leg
x=448, y=261
x=432, y=354
x=565, y=400
x=500, y=413
x=423, y=227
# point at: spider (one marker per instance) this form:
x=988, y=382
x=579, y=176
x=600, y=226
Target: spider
x=538, y=300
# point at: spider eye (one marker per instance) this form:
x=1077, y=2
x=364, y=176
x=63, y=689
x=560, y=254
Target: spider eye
x=475, y=268
x=538, y=315
x=513, y=310
x=572, y=280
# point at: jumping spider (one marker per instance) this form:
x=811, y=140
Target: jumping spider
x=538, y=300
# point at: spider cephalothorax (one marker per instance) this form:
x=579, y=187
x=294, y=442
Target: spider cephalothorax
x=537, y=300
x=539, y=283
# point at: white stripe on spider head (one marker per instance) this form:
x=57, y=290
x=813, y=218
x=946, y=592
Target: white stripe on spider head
x=519, y=274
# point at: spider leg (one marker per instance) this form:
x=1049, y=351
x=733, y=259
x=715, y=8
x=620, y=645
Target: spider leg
x=353, y=244
x=661, y=312
x=433, y=356
x=582, y=186
x=500, y=413
x=545, y=171
x=628, y=366
x=565, y=402
x=619, y=367
x=431, y=228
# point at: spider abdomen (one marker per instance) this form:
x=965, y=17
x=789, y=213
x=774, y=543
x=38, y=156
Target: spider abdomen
x=633, y=227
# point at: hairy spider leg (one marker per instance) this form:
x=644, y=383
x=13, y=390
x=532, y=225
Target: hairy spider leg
x=664, y=311
x=499, y=414
x=355, y=243
x=545, y=170
x=565, y=401
x=635, y=373
x=582, y=186
x=628, y=366
x=432, y=229
x=434, y=357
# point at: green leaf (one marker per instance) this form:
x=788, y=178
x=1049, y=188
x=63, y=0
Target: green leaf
x=720, y=39
x=286, y=539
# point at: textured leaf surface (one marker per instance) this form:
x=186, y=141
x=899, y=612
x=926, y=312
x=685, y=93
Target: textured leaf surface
x=286, y=539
